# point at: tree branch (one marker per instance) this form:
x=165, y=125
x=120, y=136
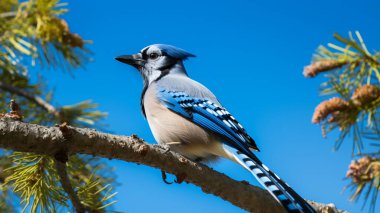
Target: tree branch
x=25, y=137
x=36, y=99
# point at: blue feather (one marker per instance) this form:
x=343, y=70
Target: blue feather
x=210, y=116
x=174, y=52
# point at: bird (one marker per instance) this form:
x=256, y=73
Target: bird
x=186, y=116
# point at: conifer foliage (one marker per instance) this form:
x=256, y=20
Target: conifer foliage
x=353, y=77
x=33, y=35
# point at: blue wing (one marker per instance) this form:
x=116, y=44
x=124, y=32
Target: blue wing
x=209, y=115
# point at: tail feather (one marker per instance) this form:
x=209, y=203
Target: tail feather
x=285, y=195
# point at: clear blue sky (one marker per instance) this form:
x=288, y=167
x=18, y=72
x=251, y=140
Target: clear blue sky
x=251, y=55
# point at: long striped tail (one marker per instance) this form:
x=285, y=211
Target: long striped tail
x=285, y=195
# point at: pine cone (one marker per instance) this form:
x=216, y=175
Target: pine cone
x=328, y=107
x=359, y=172
x=366, y=95
x=322, y=66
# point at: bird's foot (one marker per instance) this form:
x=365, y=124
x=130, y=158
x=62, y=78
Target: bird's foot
x=179, y=178
x=163, y=175
x=164, y=147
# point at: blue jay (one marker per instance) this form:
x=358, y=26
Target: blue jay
x=186, y=116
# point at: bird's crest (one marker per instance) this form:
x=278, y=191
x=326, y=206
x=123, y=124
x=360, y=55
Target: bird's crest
x=172, y=51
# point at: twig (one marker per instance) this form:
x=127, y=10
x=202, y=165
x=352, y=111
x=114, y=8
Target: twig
x=25, y=137
x=61, y=159
x=36, y=99
x=61, y=168
x=10, y=14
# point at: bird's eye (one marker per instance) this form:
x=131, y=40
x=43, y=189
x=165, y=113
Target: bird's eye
x=153, y=55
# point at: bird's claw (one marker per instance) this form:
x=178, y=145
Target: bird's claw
x=179, y=178
x=163, y=174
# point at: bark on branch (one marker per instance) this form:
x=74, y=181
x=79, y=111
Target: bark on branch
x=26, y=137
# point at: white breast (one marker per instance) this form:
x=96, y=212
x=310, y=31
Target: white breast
x=182, y=135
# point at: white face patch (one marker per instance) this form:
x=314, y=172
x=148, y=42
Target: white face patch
x=158, y=59
x=153, y=75
x=153, y=64
x=161, y=60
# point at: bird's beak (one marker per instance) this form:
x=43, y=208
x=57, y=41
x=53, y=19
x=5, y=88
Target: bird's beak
x=134, y=60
